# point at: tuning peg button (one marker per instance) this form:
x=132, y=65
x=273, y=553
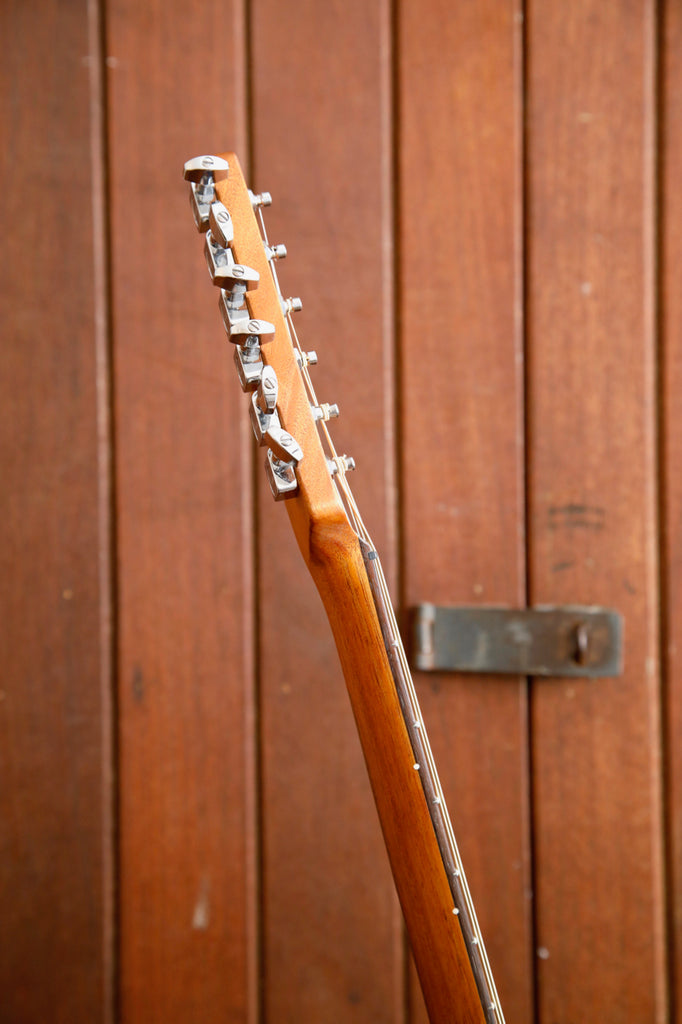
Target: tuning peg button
x=240, y=328
x=282, y=444
x=220, y=223
x=223, y=269
x=207, y=167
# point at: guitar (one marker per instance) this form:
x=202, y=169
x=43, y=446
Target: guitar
x=305, y=471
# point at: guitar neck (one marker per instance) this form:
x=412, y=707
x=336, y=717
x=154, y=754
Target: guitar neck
x=444, y=935
x=272, y=368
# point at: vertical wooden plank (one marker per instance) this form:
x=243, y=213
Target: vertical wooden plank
x=671, y=381
x=462, y=427
x=186, y=675
x=332, y=934
x=592, y=467
x=55, y=648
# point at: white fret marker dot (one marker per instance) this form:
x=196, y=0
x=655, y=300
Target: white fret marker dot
x=416, y=767
x=455, y=911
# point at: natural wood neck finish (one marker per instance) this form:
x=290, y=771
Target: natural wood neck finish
x=332, y=552
x=437, y=944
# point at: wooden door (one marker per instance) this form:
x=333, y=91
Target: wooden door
x=481, y=209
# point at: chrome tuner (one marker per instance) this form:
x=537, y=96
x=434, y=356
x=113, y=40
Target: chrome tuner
x=208, y=166
x=283, y=445
x=281, y=477
x=284, y=453
x=266, y=396
x=223, y=269
x=239, y=328
x=247, y=359
x=263, y=411
x=202, y=172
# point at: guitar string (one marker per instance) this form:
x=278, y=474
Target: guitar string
x=356, y=521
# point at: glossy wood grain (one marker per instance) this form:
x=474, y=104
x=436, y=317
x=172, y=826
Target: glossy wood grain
x=462, y=428
x=331, y=552
x=592, y=464
x=187, y=874
x=56, y=895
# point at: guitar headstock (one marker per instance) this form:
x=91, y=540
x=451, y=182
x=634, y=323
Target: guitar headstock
x=271, y=367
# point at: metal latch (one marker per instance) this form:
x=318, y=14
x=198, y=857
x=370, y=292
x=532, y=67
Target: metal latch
x=570, y=640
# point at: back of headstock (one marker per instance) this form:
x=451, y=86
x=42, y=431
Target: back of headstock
x=272, y=368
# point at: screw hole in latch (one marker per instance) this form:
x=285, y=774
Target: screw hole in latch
x=581, y=636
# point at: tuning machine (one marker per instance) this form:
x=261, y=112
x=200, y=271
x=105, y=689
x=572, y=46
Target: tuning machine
x=284, y=454
x=202, y=172
x=225, y=273
x=247, y=334
x=281, y=477
x=247, y=359
x=263, y=410
x=240, y=326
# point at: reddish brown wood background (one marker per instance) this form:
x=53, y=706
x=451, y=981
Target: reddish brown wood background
x=481, y=206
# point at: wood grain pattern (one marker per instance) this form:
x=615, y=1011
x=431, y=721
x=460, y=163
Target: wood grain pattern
x=596, y=749
x=321, y=143
x=305, y=89
x=187, y=874
x=331, y=551
x=671, y=437
x=462, y=428
x=438, y=947
x=55, y=724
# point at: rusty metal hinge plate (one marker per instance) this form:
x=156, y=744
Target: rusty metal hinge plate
x=570, y=640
